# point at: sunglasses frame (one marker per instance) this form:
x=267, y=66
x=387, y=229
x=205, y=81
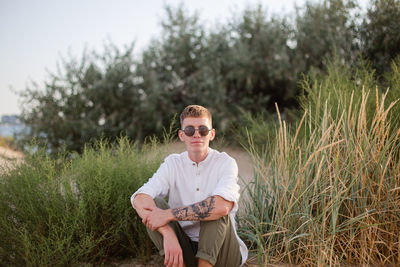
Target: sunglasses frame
x=198, y=129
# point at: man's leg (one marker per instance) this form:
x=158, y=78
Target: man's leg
x=186, y=243
x=218, y=244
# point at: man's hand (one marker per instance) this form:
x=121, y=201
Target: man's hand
x=173, y=251
x=157, y=218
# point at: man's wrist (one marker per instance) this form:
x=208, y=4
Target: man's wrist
x=165, y=230
x=171, y=216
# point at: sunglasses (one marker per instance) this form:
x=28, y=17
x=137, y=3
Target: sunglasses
x=190, y=130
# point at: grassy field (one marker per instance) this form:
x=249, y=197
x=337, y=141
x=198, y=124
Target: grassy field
x=327, y=191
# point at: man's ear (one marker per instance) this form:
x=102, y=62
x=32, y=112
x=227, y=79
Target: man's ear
x=212, y=134
x=180, y=134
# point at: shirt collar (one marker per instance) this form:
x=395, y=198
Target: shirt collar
x=205, y=161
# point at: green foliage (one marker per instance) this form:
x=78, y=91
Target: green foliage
x=325, y=29
x=90, y=98
x=66, y=212
x=393, y=81
x=380, y=33
x=340, y=88
x=256, y=132
x=169, y=69
x=259, y=70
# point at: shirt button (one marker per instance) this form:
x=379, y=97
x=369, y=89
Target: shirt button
x=197, y=189
x=193, y=164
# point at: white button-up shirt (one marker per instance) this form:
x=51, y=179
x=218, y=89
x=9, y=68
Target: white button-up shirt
x=186, y=182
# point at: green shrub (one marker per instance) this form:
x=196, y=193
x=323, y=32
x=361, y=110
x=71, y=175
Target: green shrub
x=254, y=132
x=393, y=79
x=340, y=87
x=71, y=210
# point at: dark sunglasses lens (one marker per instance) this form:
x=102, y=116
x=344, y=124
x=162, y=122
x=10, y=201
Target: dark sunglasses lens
x=189, y=131
x=203, y=130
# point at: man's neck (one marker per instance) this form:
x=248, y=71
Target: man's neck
x=198, y=156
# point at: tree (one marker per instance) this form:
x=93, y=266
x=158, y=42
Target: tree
x=179, y=69
x=324, y=30
x=258, y=72
x=247, y=65
x=88, y=98
x=380, y=36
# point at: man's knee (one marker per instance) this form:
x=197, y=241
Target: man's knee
x=221, y=224
x=217, y=243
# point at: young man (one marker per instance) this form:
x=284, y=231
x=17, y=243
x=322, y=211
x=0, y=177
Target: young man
x=197, y=226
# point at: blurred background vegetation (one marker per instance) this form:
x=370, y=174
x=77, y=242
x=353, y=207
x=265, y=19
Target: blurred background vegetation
x=243, y=66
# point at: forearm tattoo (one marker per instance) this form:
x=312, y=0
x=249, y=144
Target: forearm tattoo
x=195, y=212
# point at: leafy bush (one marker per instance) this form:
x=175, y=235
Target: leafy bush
x=256, y=131
x=68, y=211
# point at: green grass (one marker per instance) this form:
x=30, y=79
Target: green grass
x=327, y=191
x=66, y=211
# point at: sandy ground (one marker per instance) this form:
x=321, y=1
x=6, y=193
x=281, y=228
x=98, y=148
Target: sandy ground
x=9, y=157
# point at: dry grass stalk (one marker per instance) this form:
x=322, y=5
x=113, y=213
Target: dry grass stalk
x=333, y=192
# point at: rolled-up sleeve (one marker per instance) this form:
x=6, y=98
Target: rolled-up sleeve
x=227, y=186
x=158, y=185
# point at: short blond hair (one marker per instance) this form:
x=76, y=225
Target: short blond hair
x=195, y=111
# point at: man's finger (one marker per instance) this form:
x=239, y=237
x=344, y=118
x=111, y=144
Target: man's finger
x=166, y=258
x=171, y=261
x=176, y=260
x=180, y=263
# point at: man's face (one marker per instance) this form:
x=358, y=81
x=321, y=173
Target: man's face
x=196, y=143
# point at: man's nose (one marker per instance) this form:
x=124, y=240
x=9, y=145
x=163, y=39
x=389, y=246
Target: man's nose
x=196, y=133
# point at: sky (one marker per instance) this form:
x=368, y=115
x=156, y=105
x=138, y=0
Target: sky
x=35, y=35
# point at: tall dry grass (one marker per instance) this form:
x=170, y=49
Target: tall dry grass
x=327, y=193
